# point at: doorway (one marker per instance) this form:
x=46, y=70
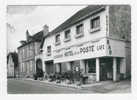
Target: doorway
x=106, y=69
x=49, y=67
x=39, y=70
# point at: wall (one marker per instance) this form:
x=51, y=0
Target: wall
x=120, y=21
x=91, y=49
x=87, y=35
x=120, y=28
x=36, y=48
x=27, y=58
x=128, y=59
x=48, y=41
x=115, y=48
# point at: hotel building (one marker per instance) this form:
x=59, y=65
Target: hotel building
x=96, y=41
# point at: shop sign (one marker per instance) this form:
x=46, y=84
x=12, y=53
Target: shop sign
x=82, y=49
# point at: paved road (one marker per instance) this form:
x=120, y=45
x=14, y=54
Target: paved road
x=29, y=86
x=21, y=86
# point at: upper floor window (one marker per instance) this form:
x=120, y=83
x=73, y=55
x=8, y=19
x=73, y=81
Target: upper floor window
x=79, y=30
x=95, y=24
x=48, y=50
x=67, y=35
x=57, y=39
x=23, y=53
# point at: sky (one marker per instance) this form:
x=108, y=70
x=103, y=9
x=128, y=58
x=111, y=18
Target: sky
x=32, y=18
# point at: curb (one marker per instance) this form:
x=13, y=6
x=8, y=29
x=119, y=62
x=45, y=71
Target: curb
x=57, y=84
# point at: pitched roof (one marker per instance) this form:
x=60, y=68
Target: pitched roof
x=35, y=38
x=79, y=16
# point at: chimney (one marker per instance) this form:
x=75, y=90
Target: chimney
x=45, y=30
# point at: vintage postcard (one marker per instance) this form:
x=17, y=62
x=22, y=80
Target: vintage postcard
x=68, y=49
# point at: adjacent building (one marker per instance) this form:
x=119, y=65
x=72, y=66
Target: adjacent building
x=27, y=52
x=12, y=65
x=96, y=41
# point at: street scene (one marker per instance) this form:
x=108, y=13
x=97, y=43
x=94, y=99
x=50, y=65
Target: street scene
x=68, y=49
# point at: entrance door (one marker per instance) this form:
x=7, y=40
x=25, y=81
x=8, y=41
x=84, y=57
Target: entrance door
x=106, y=70
x=49, y=67
x=39, y=70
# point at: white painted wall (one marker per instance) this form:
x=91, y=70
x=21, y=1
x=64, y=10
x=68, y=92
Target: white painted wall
x=48, y=41
x=83, y=55
x=118, y=48
x=87, y=35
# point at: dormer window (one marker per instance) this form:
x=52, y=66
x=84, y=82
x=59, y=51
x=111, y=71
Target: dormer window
x=95, y=24
x=79, y=30
x=57, y=39
x=67, y=35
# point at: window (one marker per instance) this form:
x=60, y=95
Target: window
x=79, y=30
x=31, y=66
x=48, y=50
x=92, y=66
x=67, y=35
x=57, y=39
x=95, y=24
x=23, y=53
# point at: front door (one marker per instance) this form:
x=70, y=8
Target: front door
x=39, y=70
x=106, y=70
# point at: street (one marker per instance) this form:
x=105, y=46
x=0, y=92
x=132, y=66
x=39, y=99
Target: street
x=21, y=86
x=29, y=86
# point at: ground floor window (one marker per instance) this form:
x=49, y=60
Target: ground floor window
x=31, y=66
x=49, y=67
x=91, y=66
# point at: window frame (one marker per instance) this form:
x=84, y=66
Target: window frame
x=94, y=29
x=79, y=34
x=66, y=39
x=48, y=52
x=93, y=63
x=59, y=41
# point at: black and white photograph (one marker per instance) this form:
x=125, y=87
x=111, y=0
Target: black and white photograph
x=68, y=49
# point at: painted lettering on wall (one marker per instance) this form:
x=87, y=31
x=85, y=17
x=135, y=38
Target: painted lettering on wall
x=81, y=50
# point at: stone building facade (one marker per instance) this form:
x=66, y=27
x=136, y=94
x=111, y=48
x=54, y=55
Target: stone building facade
x=27, y=52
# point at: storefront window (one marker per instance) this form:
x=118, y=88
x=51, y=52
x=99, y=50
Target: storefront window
x=92, y=66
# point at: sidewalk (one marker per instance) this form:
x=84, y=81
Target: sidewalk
x=98, y=87
x=64, y=84
x=112, y=87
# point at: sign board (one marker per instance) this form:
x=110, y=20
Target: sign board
x=85, y=50
x=89, y=50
